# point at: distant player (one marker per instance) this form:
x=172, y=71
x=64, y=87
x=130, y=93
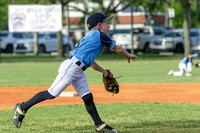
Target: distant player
x=71, y=71
x=185, y=65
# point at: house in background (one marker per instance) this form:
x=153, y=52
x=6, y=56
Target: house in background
x=121, y=21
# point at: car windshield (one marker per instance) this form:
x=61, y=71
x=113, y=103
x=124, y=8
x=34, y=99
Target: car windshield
x=193, y=34
x=173, y=34
x=138, y=30
x=41, y=35
x=3, y=34
x=117, y=31
x=21, y=35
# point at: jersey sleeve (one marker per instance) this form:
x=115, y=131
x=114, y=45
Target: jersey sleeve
x=107, y=41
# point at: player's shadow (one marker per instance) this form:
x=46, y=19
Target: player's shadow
x=165, y=126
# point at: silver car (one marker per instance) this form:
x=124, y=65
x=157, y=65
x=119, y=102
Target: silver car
x=169, y=42
x=174, y=41
x=195, y=33
x=7, y=40
x=47, y=43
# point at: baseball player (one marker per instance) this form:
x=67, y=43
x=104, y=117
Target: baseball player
x=185, y=65
x=71, y=71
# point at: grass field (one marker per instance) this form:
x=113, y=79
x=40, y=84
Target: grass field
x=124, y=117
x=139, y=71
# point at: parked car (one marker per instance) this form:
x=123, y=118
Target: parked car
x=169, y=42
x=142, y=37
x=7, y=40
x=47, y=43
x=118, y=31
x=174, y=42
x=123, y=37
x=149, y=33
x=195, y=40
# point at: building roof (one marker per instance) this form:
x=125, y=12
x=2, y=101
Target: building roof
x=126, y=19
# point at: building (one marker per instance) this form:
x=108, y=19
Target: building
x=121, y=21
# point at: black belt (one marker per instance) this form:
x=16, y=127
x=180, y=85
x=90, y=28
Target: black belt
x=79, y=64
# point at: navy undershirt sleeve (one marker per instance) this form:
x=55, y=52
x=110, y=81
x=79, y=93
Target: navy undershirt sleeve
x=105, y=40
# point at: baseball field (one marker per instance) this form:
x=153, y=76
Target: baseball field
x=148, y=101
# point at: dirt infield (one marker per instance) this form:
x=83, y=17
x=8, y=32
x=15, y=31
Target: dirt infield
x=165, y=93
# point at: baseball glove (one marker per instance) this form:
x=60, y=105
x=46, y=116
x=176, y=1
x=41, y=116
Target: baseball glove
x=198, y=64
x=110, y=83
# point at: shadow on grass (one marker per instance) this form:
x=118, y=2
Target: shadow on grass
x=171, y=126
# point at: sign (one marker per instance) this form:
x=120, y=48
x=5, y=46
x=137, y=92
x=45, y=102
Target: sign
x=35, y=18
x=171, y=12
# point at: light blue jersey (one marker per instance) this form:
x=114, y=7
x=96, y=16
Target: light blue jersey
x=90, y=46
x=185, y=60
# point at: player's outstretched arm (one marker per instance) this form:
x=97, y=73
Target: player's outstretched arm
x=125, y=53
x=98, y=68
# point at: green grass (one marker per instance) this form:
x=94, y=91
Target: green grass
x=138, y=71
x=53, y=58
x=124, y=117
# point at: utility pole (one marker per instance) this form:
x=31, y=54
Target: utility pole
x=132, y=43
x=0, y=42
x=86, y=15
x=197, y=3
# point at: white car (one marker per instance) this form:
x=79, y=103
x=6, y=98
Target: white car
x=169, y=42
x=141, y=37
x=123, y=37
x=173, y=41
x=7, y=40
x=195, y=40
x=47, y=42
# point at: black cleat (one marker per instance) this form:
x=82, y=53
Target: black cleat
x=19, y=115
x=105, y=128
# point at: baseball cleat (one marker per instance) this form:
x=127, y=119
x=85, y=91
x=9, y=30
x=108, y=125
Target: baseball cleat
x=105, y=128
x=19, y=115
x=170, y=72
x=188, y=74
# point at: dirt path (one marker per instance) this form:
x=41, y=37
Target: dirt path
x=165, y=93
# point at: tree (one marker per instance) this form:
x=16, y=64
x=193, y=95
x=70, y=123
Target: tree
x=61, y=50
x=186, y=25
x=111, y=8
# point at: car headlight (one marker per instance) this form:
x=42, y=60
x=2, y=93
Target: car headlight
x=164, y=41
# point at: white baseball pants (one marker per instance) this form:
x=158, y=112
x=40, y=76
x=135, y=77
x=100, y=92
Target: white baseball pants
x=70, y=73
x=183, y=68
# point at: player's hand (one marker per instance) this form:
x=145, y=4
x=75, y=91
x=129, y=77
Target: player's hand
x=131, y=57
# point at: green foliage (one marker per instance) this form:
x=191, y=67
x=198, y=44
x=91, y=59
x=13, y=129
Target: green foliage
x=124, y=117
x=151, y=5
x=4, y=14
x=178, y=19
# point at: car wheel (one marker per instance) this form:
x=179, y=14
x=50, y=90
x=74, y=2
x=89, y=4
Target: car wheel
x=179, y=48
x=146, y=48
x=9, y=49
x=42, y=49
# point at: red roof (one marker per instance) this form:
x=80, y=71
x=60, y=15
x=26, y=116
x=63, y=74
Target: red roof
x=125, y=19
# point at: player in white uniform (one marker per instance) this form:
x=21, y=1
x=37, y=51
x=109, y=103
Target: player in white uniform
x=185, y=65
x=71, y=71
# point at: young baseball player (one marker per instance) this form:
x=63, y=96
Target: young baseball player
x=71, y=71
x=185, y=65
